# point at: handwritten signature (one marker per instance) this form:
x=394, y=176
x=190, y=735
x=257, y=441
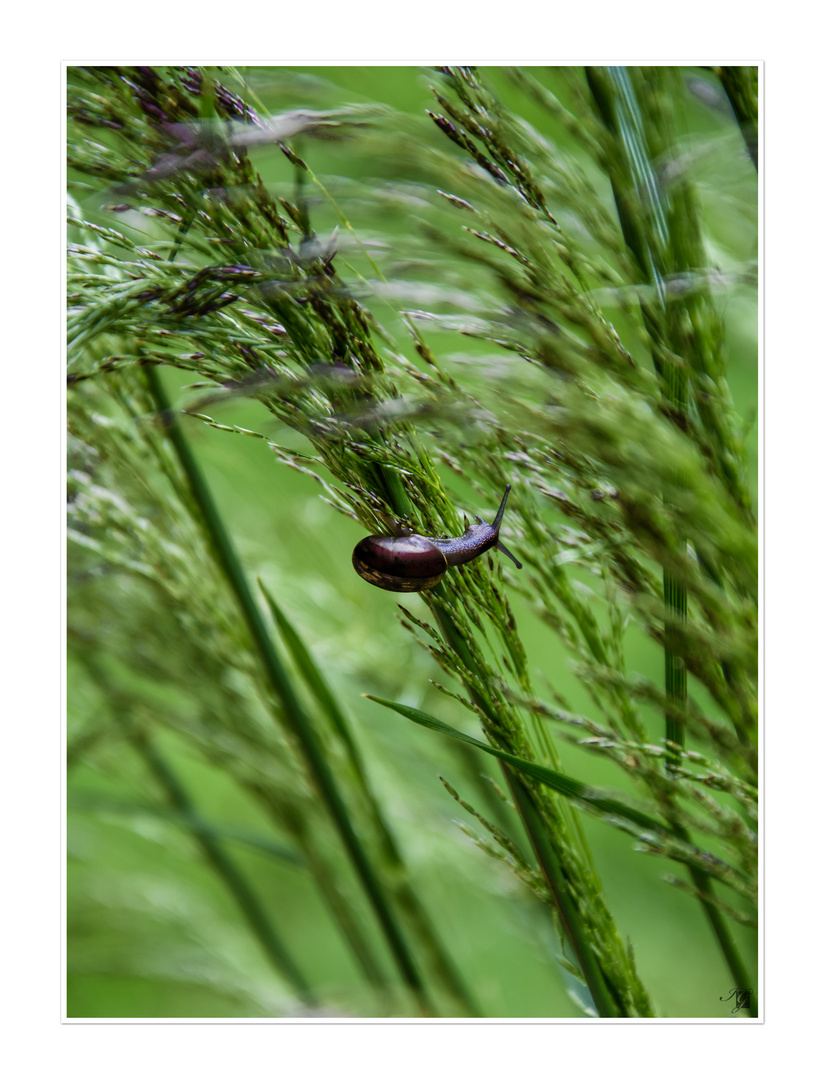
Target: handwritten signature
x=742, y=998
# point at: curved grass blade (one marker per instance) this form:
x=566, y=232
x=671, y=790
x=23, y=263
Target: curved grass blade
x=558, y=782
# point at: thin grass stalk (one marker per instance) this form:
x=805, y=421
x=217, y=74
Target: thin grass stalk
x=721, y=929
x=356, y=938
x=280, y=685
x=405, y=895
x=563, y=897
x=556, y=833
x=224, y=866
x=155, y=446
x=741, y=86
x=225, y=834
x=642, y=207
x=227, y=869
x=644, y=226
x=547, y=847
x=322, y=775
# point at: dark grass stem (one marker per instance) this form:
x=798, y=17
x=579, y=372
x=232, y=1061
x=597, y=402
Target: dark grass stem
x=282, y=688
x=405, y=895
x=541, y=819
x=563, y=896
x=721, y=929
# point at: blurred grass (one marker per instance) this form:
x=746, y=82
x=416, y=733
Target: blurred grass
x=137, y=889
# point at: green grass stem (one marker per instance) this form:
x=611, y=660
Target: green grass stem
x=283, y=690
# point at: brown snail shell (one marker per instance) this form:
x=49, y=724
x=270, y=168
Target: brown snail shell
x=412, y=563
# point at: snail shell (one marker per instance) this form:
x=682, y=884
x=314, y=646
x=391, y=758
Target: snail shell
x=412, y=563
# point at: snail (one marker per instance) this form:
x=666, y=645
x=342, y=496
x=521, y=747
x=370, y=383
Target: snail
x=411, y=562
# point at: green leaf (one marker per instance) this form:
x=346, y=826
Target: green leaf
x=559, y=782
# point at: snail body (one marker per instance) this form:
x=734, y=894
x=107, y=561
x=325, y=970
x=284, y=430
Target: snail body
x=412, y=563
